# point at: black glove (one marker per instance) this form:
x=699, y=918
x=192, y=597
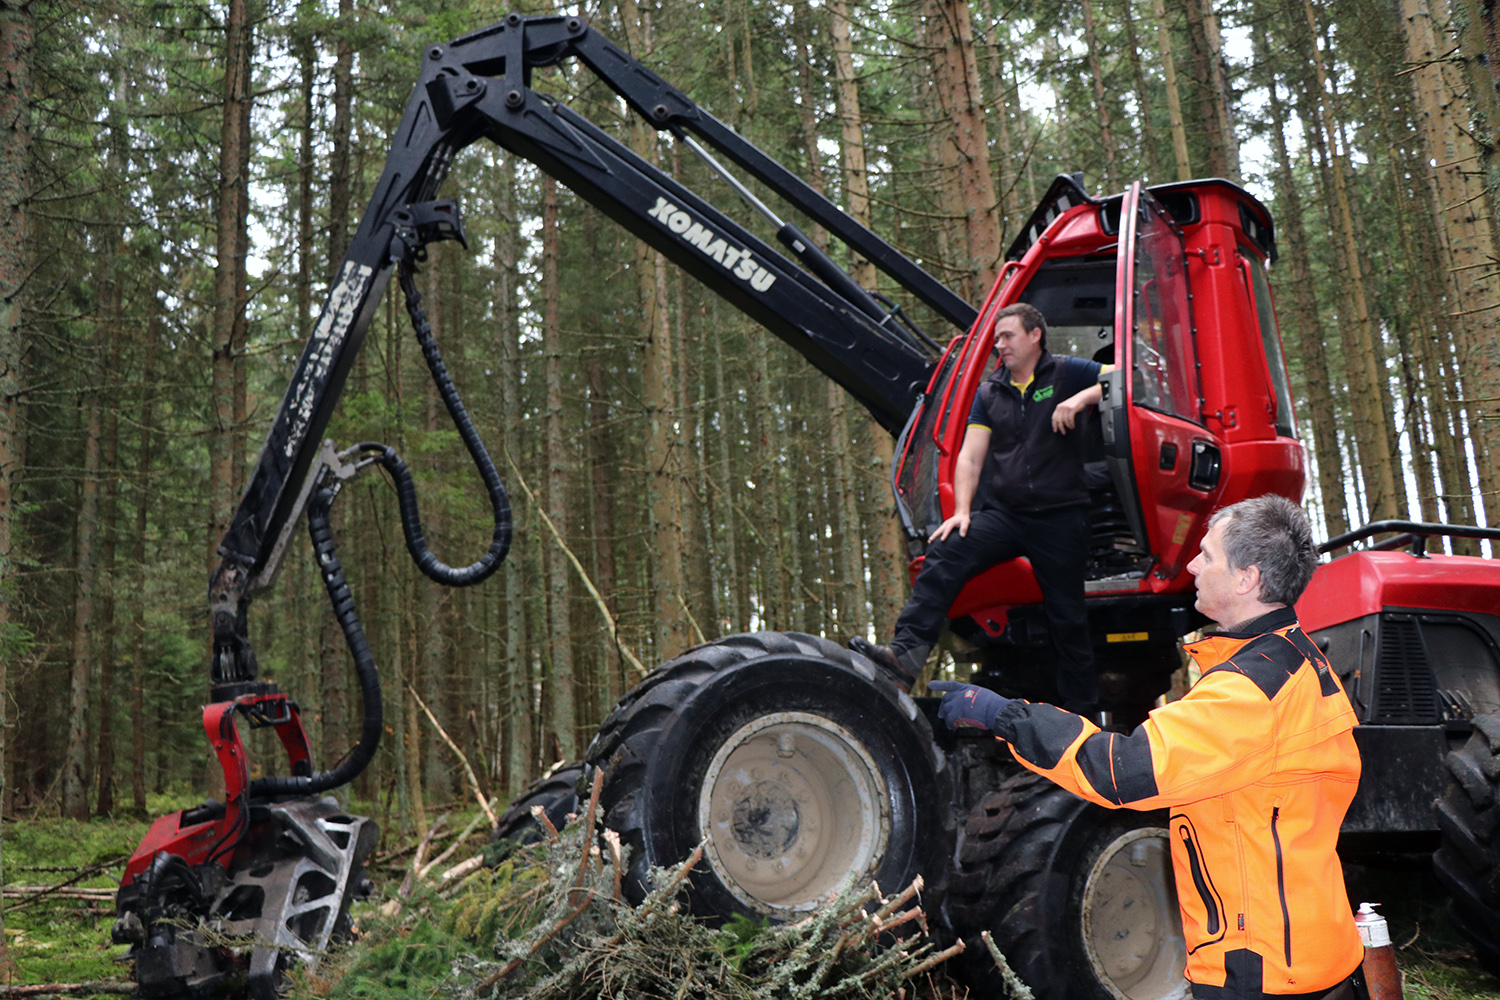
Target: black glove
x=966, y=706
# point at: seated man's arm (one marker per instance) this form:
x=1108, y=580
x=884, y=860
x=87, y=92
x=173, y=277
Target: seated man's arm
x=965, y=481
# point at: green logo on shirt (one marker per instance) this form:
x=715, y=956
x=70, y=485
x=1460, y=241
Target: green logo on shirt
x=1041, y=394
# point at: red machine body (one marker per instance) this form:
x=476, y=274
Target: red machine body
x=209, y=834
x=1365, y=583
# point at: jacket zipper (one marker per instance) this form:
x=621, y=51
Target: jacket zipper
x=1209, y=905
x=1286, y=917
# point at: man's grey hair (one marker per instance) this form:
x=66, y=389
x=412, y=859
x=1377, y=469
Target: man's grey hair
x=1272, y=533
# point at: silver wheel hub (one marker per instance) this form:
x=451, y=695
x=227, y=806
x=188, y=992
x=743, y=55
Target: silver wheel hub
x=791, y=806
x=1132, y=929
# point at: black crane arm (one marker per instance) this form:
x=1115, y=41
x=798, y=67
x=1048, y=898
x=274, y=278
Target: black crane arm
x=479, y=87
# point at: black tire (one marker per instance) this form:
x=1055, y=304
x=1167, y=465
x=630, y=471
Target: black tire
x=556, y=792
x=1468, y=860
x=797, y=760
x=1078, y=898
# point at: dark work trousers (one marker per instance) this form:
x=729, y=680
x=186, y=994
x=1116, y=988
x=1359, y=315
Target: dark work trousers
x=1057, y=544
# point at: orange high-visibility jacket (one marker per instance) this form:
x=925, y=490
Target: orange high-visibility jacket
x=1257, y=766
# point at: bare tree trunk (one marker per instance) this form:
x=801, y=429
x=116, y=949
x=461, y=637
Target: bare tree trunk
x=108, y=502
x=966, y=146
x=340, y=170
x=853, y=597
x=138, y=559
x=1151, y=151
x=1364, y=354
x=1224, y=149
x=559, y=596
x=85, y=559
x=229, y=289
x=852, y=133
x=885, y=555
x=1307, y=324
x=1466, y=244
x=672, y=634
x=1174, y=96
x=15, y=155
x=306, y=162
x=1101, y=105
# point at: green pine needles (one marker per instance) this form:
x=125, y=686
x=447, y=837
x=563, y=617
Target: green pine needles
x=551, y=923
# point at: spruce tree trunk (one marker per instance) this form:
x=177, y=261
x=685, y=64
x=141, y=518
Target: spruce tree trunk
x=559, y=597
x=671, y=627
x=885, y=554
x=516, y=732
x=1223, y=148
x=75, y=782
x=1101, y=105
x=15, y=156
x=1151, y=152
x=108, y=502
x=853, y=597
x=138, y=561
x=1466, y=244
x=229, y=291
x=1320, y=420
x=1364, y=352
x=1174, y=96
x=340, y=169
x=965, y=144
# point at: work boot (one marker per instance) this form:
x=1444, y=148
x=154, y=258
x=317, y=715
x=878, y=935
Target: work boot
x=902, y=664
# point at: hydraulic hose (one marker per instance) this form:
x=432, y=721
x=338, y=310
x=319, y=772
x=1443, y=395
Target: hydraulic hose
x=406, y=491
x=365, y=671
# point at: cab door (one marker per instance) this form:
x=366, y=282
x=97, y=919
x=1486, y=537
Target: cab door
x=1163, y=458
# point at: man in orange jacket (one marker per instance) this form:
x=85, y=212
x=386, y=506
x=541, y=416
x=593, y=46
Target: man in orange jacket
x=1256, y=765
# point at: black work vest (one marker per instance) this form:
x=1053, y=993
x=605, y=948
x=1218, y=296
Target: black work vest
x=1030, y=467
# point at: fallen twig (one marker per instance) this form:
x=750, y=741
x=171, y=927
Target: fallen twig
x=453, y=847
x=82, y=874
x=489, y=813
x=53, y=989
x=409, y=883
x=27, y=891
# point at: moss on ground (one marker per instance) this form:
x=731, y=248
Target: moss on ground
x=56, y=940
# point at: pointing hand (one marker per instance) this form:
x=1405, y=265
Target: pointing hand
x=966, y=706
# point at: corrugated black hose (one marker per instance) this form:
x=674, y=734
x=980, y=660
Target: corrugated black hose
x=318, y=507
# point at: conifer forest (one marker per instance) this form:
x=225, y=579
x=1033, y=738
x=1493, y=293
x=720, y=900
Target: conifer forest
x=179, y=181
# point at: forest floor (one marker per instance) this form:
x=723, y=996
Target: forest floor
x=418, y=945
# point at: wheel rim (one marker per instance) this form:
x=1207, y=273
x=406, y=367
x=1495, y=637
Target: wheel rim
x=791, y=806
x=1132, y=928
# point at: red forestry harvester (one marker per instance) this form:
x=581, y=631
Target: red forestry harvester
x=800, y=763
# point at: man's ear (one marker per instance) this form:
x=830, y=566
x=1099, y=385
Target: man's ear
x=1249, y=582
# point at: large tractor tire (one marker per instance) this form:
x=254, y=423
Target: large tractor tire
x=800, y=765
x=1468, y=861
x=556, y=792
x=1079, y=899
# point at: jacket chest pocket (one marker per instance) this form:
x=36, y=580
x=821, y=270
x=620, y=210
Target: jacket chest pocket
x=1197, y=894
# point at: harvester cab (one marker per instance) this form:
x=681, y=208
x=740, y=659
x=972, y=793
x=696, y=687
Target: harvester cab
x=1168, y=286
